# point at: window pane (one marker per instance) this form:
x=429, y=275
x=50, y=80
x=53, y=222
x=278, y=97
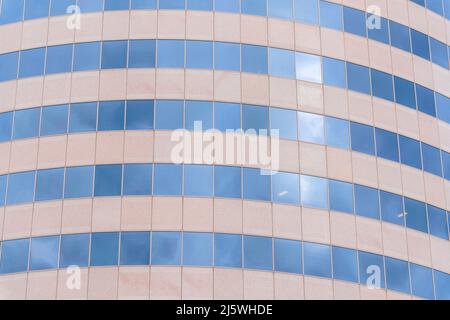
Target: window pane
x=12, y=11
x=83, y=117
x=198, y=180
x=358, y=78
x=256, y=185
x=334, y=72
x=410, y=152
x=79, y=182
x=137, y=179
x=443, y=107
x=171, y=4
x=199, y=115
x=44, y=253
x=3, y=181
x=117, y=4
x=314, y=192
x=74, y=250
x=8, y=65
x=330, y=15
x=437, y=218
x=281, y=62
x=255, y=118
x=431, y=159
x=446, y=164
x=54, y=120
x=228, y=250
x=341, y=196
x=14, y=256
x=354, y=21
x=140, y=115
x=379, y=34
x=404, y=92
x=169, y=114
x=425, y=100
x=227, y=182
x=254, y=7
x=197, y=249
x=61, y=7
x=199, y=54
x=49, y=185
x=366, y=202
x=20, y=188
x=307, y=11
x=391, y=208
x=419, y=43
x=317, y=260
x=166, y=248
x=387, y=145
x=439, y=53
x=26, y=123
x=288, y=256
x=108, y=180
x=227, y=5
x=59, y=59
x=345, y=264
x=170, y=52
x=362, y=138
x=144, y=4
x=311, y=127
x=382, y=85
x=227, y=116
x=416, y=215
x=142, y=54
x=422, y=281
x=105, y=249
x=90, y=5
x=135, y=248
x=200, y=5
x=400, y=36
x=86, y=56
x=258, y=253
x=6, y=121
x=371, y=270
x=337, y=133
x=36, y=9
x=111, y=115
x=442, y=285
x=280, y=9
x=285, y=188
x=308, y=67
x=284, y=121
x=254, y=58
x=167, y=179
x=397, y=275
x=114, y=54
x=227, y=56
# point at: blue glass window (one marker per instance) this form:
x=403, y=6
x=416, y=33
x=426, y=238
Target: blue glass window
x=111, y=115
x=254, y=58
x=227, y=182
x=8, y=65
x=337, y=133
x=331, y=15
x=311, y=127
x=255, y=118
x=200, y=5
x=54, y=120
x=135, y=248
x=86, y=56
x=198, y=180
x=108, y=180
x=199, y=115
x=14, y=256
x=314, y=192
x=166, y=248
x=83, y=117
x=281, y=62
x=142, y=54
x=280, y=9
x=140, y=115
x=26, y=123
x=442, y=285
x=60, y=7
x=169, y=114
x=387, y=144
x=286, y=188
x=416, y=215
x=358, y=78
x=49, y=184
x=227, y=116
x=171, y=4
x=308, y=67
x=371, y=270
x=334, y=72
x=307, y=11
x=197, y=249
x=397, y=275
x=258, y=253
x=32, y=63
x=44, y=253
x=254, y=7
x=425, y=100
x=439, y=53
x=79, y=182
x=317, y=260
x=341, y=196
x=144, y=4
x=354, y=21
x=3, y=181
x=400, y=36
x=443, y=107
x=90, y=5
x=410, y=152
x=170, y=52
x=74, y=250
x=431, y=159
x=228, y=250
x=379, y=34
x=437, y=219
x=404, y=92
x=446, y=164
x=345, y=264
x=382, y=85
x=117, y=4
x=421, y=281
x=199, y=54
x=227, y=6
x=227, y=56
x=285, y=122
x=167, y=179
x=137, y=179
x=12, y=11
x=419, y=43
x=104, y=249
x=436, y=6
x=391, y=208
x=59, y=59
x=20, y=188
x=256, y=185
x=114, y=54
x=36, y=9
x=6, y=121
x=366, y=202
x=288, y=256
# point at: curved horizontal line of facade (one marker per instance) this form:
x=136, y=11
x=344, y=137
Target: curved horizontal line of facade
x=441, y=8
x=286, y=124
x=207, y=181
x=332, y=15
x=210, y=55
x=198, y=249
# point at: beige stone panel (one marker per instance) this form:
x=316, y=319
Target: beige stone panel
x=134, y=283
x=65, y=293
x=17, y=222
x=91, y=27
x=447, y=193
x=429, y=129
x=258, y=285
x=384, y=114
x=288, y=287
x=13, y=287
x=7, y=95
x=287, y=221
x=5, y=148
x=171, y=24
x=257, y=216
x=113, y=84
x=368, y=233
x=332, y=43
x=407, y=122
x=318, y=288
x=106, y=214
x=444, y=131
x=343, y=230
x=29, y=92
x=288, y=156
x=165, y=283
x=163, y=146
x=255, y=89
x=143, y=24
x=228, y=284
x=310, y=97
x=34, y=33
x=58, y=33
x=440, y=77
x=364, y=169
x=356, y=49
x=393, y=295
x=136, y=213
x=197, y=283
x=398, y=11
x=81, y=149
x=46, y=218
x=199, y=84
x=339, y=163
x=372, y=294
x=389, y=176
x=381, y=4
x=227, y=86
x=418, y=247
x=103, y=283
x=167, y=213
x=12, y=32
x=418, y=17
x=413, y=185
x=307, y=38
x=227, y=215
x=227, y=27
x=436, y=26
x=423, y=72
x=281, y=33
x=394, y=241
x=198, y=214
x=141, y=84
x=359, y=4
x=85, y=86
x=335, y=102
x=440, y=254
x=2, y=217
x=254, y=30
x=110, y=146
x=170, y=84
x=76, y=216
x=434, y=190
x=138, y=147
x=316, y=225
x=346, y=290
x=402, y=63
x=199, y=25
x=23, y=155
x=313, y=159
x=57, y=89
x=360, y=107
x=116, y=25
x=283, y=92
x=52, y=152
x=380, y=56
x=42, y=285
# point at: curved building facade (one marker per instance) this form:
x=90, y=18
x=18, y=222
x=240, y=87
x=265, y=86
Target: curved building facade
x=224, y=149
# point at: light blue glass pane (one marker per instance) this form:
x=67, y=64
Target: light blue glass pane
x=117, y=4
x=284, y=122
x=341, y=196
x=371, y=270
x=59, y=59
x=8, y=66
x=79, y=182
x=199, y=54
x=11, y=11
x=410, y=152
x=44, y=253
x=314, y=192
x=307, y=11
x=334, y=72
x=86, y=56
x=437, y=219
x=140, y=114
x=197, y=249
x=26, y=123
x=391, y=206
x=425, y=100
x=166, y=248
x=83, y=117
x=199, y=115
x=382, y=85
x=3, y=182
x=14, y=256
x=74, y=250
x=90, y=5
x=308, y=67
x=367, y=202
x=442, y=285
x=169, y=114
x=378, y=32
x=170, y=53
x=280, y=8
x=362, y=138
x=108, y=180
x=288, y=256
x=171, y=4
x=228, y=250
x=137, y=179
x=20, y=188
x=404, y=92
x=397, y=275
x=400, y=36
x=36, y=9
x=345, y=264
x=255, y=119
x=32, y=63
x=258, y=253
x=387, y=144
x=254, y=7
x=358, y=78
x=421, y=281
x=419, y=42
x=416, y=215
x=49, y=184
x=256, y=185
x=227, y=5
x=281, y=63
x=62, y=7
x=431, y=159
x=317, y=260
x=114, y=54
x=142, y=54
x=337, y=133
x=111, y=115
x=54, y=120
x=6, y=123
x=104, y=249
x=354, y=21
x=144, y=4
x=135, y=248
x=254, y=59
x=200, y=5
x=331, y=15
x=285, y=188
x=227, y=56
x=436, y=6
x=311, y=127
x=167, y=179
x=227, y=116
x=443, y=107
x=227, y=182
x=198, y=180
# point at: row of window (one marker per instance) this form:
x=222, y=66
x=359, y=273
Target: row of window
x=223, y=250
x=324, y=13
x=442, y=8
x=224, y=182
x=179, y=114
x=222, y=56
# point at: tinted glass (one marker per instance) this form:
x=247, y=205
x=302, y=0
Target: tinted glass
x=258, y=253
x=227, y=56
x=227, y=5
x=330, y=15
x=371, y=270
x=334, y=72
x=36, y=9
x=288, y=256
x=391, y=208
x=341, y=196
x=425, y=100
x=400, y=36
x=79, y=182
x=410, y=152
x=198, y=180
x=137, y=179
x=170, y=52
x=74, y=250
x=308, y=67
x=8, y=65
x=86, y=56
x=387, y=145
x=200, y=5
x=416, y=215
x=12, y=11
x=285, y=188
x=227, y=182
x=337, y=133
x=317, y=260
x=140, y=115
x=345, y=264
x=254, y=7
x=307, y=11
x=419, y=43
x=397, y=275
x=114, y=54
x=111, y=115
x=54, y=120
x=199, y=54
x=166, y=248
x=108, y=180
x=354, y=21
x=431, y=159
x=32, y=63
x=228, y=250
x=421, y=281
x=404, y=92
x=254, y=58
x=59, y=59
x=227, y=116
x=358, y=78
x=105, y=249
x=14, y=256
x=135, y=248
x=281, y=63
x=437, y=220
x=255, y=118
x=142, y=54
x=366, y=202
x=6, y=121
x=284, y=121
x=311, y=127
x=26, y=123
x=382, y=85
x=44, y=253
x=167, y=179
x=314, y=191
x=362, y=138
x=197, y=249
x=199, y=115
x=20, y=188
x=83, y=117
x=169, y=114
x=280, y=8
x=256, y=185
x=49, y=184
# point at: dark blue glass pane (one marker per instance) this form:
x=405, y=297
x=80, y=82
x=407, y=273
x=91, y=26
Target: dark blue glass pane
x=380, y=34
x=354, y=21
x=421, y=281
x=36, y=9
x=256, y=184
x=446, y=164
x=387, y=144
x=410, y=152
x=62, y=7
x=11, y=11
x=140, y=115
x=167, y=179
x=371, y=270
x=199, y=115
x=400, y=37
x=345, y=264
x=200, y=5
x=108, y=180
x=314, y=192
x=166, y=248
x=341, y=196
x=366, y=202
x=117, y=4
x=358, y=78
x=425, y=100
x=197, y=249
x=382, y=85
x=105, y=249
x=83, y=117
x=288, y=256
x=135, y=248
x=228, y=250
x=362, y=138
x=404, y=92
x=198, y=180
x=171, y=4
x=90, y=5
x=32, y=63
x=49, y=184
x=254, y=59
x=8, y=65
x=14, y=256
x=286, y=188
x=334, y=72
x=199, y=54
x=397, y=275
x=227, y=56
x=142, y=54
x=227, y=5
x=54, y=120
x=227, y=116
x=307, y=11
x=437, y=219
x=227, y=182
x=111, y=115
x=254, y=7
x=258, y=253
x=3, y=182
x=6, y=123
x=59, y=59
x=419, y=43
x=416, y=215
x=26, y=123
x=170, y=52
x=392, y=208
x=439, y=53
x=114, y=54
x=317, y=260
x=255, y=119
x=442, y=285
x=44, y=253
x=431, y=159
x=86, y=56
x=169, y=114
x=79, y=182
x=144, y=4
x=20, y=188
x=137, y=179
x=74, y=250
x=443, y=107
